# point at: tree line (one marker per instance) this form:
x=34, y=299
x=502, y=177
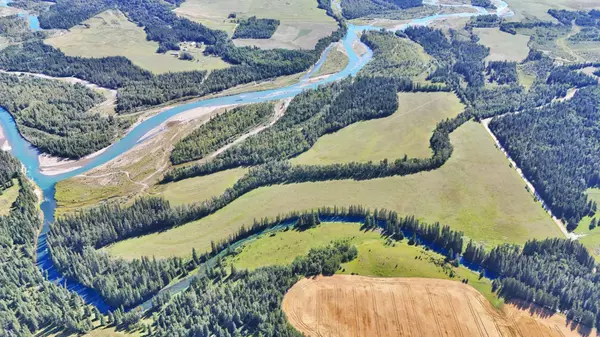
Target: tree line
x=536, y=273
x=205, y=308
x=74, y=239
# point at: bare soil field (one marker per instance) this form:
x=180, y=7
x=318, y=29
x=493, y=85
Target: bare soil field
x=345, y=305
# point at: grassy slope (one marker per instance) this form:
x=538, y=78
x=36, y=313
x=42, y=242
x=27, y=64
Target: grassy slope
x=503, y=46
x=407, y=131
x=375, y=257
x=8, y=197
x=302, y=23
x=111, y=34
x=475, y=191
x=335, y=62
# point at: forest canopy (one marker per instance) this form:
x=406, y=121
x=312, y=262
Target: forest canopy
x=253, y=28
x=55, y=116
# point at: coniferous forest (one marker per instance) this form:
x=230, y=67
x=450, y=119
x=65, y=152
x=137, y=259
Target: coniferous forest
x=56, y=117
x=28, y=302
x=253, y=28
x=555, y=142
x=557, y=148
x=219, y=131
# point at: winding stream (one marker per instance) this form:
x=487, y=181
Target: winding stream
x=28, y=155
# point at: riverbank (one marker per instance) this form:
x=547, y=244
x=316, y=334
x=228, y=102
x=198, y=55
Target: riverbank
x=4, y=144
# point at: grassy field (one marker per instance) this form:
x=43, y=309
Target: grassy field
x=199, y=188
x=538, y=9
x=111, y=34
x=8, y=197
x=475, y=191
x=407, y=131
x=375, y=256
x=302, y=23
x=592, y=237
x=335, y=62
x=525, y=79
x=547, y=39
x=503, y=46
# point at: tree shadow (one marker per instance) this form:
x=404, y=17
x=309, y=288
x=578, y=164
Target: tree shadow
x=536, y=310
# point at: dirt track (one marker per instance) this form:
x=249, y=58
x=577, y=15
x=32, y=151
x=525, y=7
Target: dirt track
x=345, y=305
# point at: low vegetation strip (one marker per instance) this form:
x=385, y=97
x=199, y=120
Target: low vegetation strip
x=343, y=305
x=220, y=130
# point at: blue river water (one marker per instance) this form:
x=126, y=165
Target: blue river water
x=28, y=154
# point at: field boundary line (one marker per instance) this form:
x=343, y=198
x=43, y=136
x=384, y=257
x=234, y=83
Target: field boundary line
x=453, y=311
x=374, y=300
x=433, y=309
x=476, y=318
x=412, y=304
x=355, y=311
x=395, y=312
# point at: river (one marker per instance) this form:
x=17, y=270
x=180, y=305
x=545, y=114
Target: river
x=28, y=155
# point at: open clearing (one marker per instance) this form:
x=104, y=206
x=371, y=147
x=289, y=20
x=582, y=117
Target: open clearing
x=407, y=131
x=538, y=9
x=503, y=46
x=375, y=256
x=8, y=197
x=475, y=191
x=302, y=23
x=110, y=33
x=591, y=237
x=344, y=305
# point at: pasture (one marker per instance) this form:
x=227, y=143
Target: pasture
x=538, y=9
x=110, y=33
x=410, y=128
x=503, y=46
x=376, y=257
x=344, y=305
x=302, y=23
x=198, y=188
x=475, y=191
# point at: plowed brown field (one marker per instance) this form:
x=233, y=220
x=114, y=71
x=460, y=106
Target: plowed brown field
x=345, y=306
